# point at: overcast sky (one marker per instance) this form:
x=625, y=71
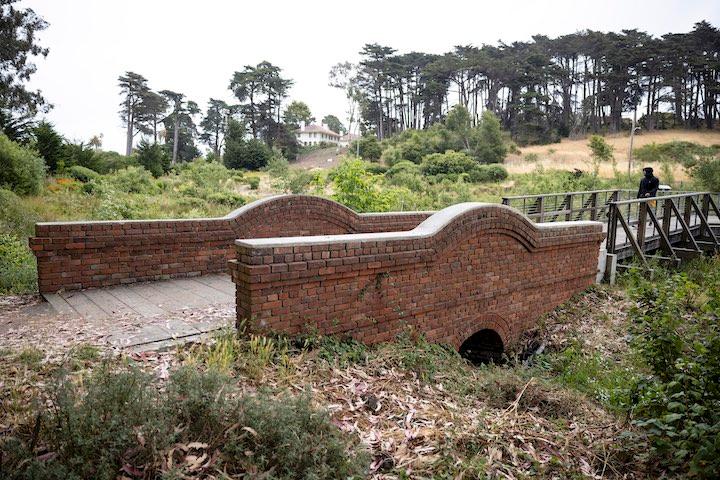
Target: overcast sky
x=194, y=46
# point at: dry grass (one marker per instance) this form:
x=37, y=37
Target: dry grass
x=575, y=154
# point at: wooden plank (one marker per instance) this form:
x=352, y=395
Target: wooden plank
x=631, y=238
x=141, y=305
x=84, y=305
x=108, y=303
x=59, y=304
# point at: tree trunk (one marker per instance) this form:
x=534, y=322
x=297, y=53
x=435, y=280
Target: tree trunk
x=176, y=137
x=130, y=127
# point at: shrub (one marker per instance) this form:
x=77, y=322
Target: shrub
x=21, y=170
x=83, y=174
x=448, y=162
x=675, y=332
x=487, y=173
x=116, y=421
x=246, y=154
x=132, y=180
x=369, y=147
x=205, y=176
x=356, y=188
x=153, y=157
x=404, y=166
x=707, y=172
x=15, y=217
x=108, y=162
x=228, y=198
x=685, y=153
x=490, y=147
x=49, y=144
x=78, y=154
x=253, y=182
x=17, y=266
x=600, y=152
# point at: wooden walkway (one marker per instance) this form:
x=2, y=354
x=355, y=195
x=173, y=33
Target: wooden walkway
x=145, y=300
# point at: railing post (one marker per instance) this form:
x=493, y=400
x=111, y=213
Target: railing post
x=569, y=206
x=706, y=204
x=667, y=216
x=593, y=206
x=506, y=201
x=687, y=215
x=642, y=221
x=541, y=208
x=612, y=229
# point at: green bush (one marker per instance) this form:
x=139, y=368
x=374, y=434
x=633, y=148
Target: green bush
x=247, y=154
x=487, y=173
x=17, y=266
x=447, y=163
x=108, y=162
x=15, y=217
x=83, y=174
x=358, y=189
x=132, y=180
x=368, y=147
x=117, y=421
x=489, y=147
x=404, y=166
x=226, y=197
x=79, y=154
x=675, y=332
x=682, y=152
x=253, y=182
x=153, y=157
x=21, y=169
x=49, y=144
x=707, y=172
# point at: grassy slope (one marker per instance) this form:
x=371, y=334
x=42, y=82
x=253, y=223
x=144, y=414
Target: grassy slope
x=571, y=154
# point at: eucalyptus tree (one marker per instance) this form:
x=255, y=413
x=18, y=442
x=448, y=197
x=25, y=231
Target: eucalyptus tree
x=151, y=112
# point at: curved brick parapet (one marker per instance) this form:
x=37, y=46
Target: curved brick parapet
x=74, y=255
x=466, y=268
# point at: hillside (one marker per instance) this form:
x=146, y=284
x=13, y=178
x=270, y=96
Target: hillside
x=571, y=154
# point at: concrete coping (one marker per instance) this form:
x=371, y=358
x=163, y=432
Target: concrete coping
x=428, y=228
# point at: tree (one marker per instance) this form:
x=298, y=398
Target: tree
x=134, y=87
x=18, y=45
x=180, y=127
x=241, y=153
x=214, y=124
x=21, y=170
x=296, y=113
x=334, y=124
x=153, y=157
x=151, y=112
x=458, y=121
x=49, y=144
x=600, y=151
x=261, y=90
x=96, y=141
x=490, y=147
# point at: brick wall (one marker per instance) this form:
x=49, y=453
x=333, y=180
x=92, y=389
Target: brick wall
x=74, y=255
x=466, y=268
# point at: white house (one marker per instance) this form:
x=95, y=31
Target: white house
x=315, y=134
x=347, y=139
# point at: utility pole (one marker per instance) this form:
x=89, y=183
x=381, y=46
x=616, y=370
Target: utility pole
x=632, y=137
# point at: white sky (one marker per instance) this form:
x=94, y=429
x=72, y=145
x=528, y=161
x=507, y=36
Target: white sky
x=194, y=47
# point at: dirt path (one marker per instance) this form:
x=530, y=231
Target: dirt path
x=325, y=158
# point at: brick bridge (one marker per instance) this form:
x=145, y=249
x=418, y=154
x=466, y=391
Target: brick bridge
x=472, y=275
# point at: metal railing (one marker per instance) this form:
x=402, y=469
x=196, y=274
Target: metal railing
x=679, y=226
x=567, y=206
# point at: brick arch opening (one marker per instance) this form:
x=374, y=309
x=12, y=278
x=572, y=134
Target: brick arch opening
x=483, y=346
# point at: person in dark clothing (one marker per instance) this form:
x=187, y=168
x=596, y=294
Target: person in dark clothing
x=649, y=184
